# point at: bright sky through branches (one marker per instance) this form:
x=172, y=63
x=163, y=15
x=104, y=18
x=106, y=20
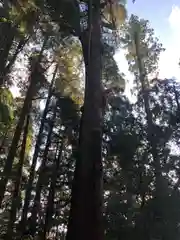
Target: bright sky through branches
x=170, y=58
x=164, y=18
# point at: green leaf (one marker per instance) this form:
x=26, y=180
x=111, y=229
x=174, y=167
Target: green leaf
x=6, y=102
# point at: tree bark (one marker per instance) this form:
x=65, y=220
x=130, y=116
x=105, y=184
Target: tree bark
x=12, y=151
x=159, y=194
x=7, y=34
x=3, y=139
x=151, y=130
x=32, y=89
x=85, y=220
x=5, y=46
x=15, y=199
x=35, y=156
x=33, y=222
x=50, y=203
x=19, y=48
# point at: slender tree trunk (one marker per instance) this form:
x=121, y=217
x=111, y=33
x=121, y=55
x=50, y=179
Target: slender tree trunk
x=19, y=48
x=50, y=202
x=57, y=233
x=3, y=140
x=176, y=96
x=85, y=220
x=151, y=130
x=24, y=112
x=5, y=46
x=7, y=34
x=12, y=151
x=15, y=199
x=159, y=194
x=35, y=156
x=39, y=184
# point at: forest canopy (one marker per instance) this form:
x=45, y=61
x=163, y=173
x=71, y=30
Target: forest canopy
x=79, y=160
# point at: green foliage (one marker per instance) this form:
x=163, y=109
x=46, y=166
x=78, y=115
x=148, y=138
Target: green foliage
x=6, y=106
x=24, y=14
x=129, y=186
x=149, y=45
x=131, y=207
x=69, y=58
x=66, y=14
x=111, y=75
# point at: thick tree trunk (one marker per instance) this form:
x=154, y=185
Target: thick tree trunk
x=33, y=222
x=35, y=156
x=15, y=199
x=85, y=220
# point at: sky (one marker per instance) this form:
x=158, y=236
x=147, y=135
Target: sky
x=164, y=17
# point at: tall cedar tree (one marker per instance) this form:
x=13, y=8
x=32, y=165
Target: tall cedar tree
x=85, y=220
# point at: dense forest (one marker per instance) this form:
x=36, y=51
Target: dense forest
x=79, y=160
